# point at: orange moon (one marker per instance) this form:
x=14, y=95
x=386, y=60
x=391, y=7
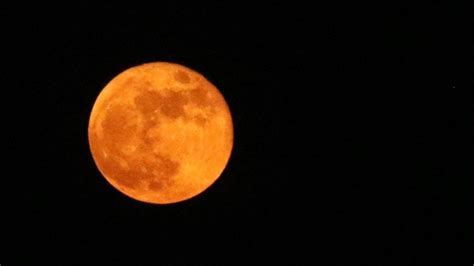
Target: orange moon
x=160, y=133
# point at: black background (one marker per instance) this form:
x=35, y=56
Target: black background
x=353, y=132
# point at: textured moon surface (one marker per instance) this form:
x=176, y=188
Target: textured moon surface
x=160, y=133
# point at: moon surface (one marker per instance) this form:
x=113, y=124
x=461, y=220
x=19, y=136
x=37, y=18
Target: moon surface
x=160, y=133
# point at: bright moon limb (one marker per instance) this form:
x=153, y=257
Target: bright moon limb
x=160, y=133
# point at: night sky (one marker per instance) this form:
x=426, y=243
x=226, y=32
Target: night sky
x=352, y=123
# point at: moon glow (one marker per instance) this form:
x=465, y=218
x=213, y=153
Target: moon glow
x=160, y=133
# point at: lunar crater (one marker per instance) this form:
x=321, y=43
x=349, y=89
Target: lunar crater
x=182, y=77
x=129, y=171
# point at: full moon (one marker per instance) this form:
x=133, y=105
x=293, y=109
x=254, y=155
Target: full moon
x=160, y=133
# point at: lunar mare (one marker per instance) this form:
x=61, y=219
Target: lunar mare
x=160, y=133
